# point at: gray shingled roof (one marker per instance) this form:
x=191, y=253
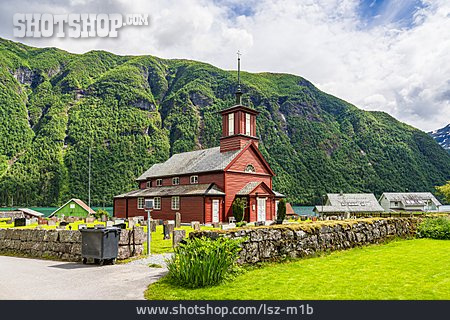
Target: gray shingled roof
x=249, y=187
x=209, y=189
x=31, y=212
x=411, y=198
x=205, y=160
x=350, y=202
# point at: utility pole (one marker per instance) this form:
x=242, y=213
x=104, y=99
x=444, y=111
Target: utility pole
x=89, y=187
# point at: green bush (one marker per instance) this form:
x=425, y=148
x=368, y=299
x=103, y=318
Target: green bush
x=100, y=213
x=281, y=213
x=241, y=224
x=435, y=228
x=203, y=262
x=239, y=209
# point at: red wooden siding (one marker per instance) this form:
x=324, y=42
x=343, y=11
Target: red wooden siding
x=250, y=157
x=120, y=208
x=234, y=183
x=209, y=177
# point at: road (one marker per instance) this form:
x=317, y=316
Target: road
x=33, y=279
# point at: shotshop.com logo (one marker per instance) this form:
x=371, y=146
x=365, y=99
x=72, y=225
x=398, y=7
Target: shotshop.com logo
x=74, y=25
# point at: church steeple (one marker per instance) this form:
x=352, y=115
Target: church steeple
x=238, y=122
x=239, y=92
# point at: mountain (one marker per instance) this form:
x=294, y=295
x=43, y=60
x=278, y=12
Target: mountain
x=133, y=111
x=442, y=136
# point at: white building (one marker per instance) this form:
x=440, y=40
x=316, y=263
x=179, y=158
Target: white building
x=409, y=201
x=349, y=204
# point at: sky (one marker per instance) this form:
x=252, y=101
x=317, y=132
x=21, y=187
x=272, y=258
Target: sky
x=386, y=55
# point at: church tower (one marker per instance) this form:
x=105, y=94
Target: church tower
x=238, y=122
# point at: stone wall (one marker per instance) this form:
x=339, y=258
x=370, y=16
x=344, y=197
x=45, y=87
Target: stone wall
x=63, y=244
x=269, y=243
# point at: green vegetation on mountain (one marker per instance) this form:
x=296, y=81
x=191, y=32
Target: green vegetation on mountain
x=133, y=111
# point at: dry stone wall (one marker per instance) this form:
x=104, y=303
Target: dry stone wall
x=63, y=244
x=269, y=243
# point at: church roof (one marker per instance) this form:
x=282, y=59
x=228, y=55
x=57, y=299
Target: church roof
x=209, y=189
x=205, y=160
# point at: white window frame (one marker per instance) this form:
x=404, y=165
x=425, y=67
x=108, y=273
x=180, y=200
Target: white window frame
x=159, y=182
x=175, y=203
x=248, y=124
x=230, y=124
x=140, y=203
x=149, y=184
x=250, y=168
x=194, y=179
x=175, y=181
x=157, y=203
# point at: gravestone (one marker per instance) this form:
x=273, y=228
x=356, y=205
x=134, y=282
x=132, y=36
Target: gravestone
x=195, y=225
x=90, y=219
x=51, y=222
x=168, y=227
x=20, y=222
x=177, y=220
x=153, y=224
x=178, y=236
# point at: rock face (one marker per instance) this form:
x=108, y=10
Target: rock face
x=442, y=136
x=63, y=244
x=279, y=242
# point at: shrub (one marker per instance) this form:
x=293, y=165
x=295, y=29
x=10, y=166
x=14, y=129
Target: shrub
x=281, y=213
x=435, y=228
x=203, y=262
x=239, y=209
x=100, y=213
x=241, y=224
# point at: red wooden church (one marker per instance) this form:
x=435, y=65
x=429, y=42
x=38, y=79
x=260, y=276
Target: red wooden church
x=203, y=184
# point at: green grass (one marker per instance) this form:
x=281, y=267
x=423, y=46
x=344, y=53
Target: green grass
x=159, y=245
x=404, y=269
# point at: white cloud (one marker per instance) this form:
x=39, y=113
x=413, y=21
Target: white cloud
x=384, y=66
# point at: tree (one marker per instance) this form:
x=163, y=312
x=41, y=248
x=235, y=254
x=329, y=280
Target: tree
x=281, y=213
x=239, y=205
x=445, y=191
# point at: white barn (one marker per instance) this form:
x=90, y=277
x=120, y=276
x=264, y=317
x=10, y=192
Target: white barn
x=409, y=201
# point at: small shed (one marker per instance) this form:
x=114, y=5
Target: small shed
x=290, y=211
x=73, y=208
x=21, y=213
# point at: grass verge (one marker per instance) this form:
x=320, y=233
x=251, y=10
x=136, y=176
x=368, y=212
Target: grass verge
x=406, y=269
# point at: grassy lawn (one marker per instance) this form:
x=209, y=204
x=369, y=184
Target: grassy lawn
x=159, y=245
x=404, y=269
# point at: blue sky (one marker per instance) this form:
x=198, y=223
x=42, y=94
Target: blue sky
x=376, y=12
x=389, y=56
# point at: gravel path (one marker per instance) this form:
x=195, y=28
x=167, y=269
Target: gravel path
x=154, y=258
x=33, y=279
